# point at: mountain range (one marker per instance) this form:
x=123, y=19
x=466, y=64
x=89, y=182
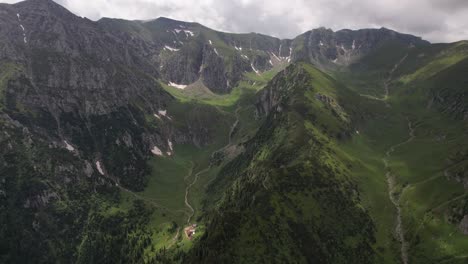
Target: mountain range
x=165, y=141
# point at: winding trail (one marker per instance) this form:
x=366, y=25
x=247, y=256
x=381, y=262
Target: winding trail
x=395, y=198
x=234, y=126
x=197, y=176
x=391, y=180
x=389, y=80
x=187, y=192
x=174, y=239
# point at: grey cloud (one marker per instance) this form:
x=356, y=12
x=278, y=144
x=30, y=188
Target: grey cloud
x=435, y=20
x=451, y=5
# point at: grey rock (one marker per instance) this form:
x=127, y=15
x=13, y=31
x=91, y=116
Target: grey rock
x=464, y=225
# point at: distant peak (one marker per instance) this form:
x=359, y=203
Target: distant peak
x=49, y=6
x=322, y=29
x=37, y=2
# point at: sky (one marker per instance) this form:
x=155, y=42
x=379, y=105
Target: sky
x=434, y=20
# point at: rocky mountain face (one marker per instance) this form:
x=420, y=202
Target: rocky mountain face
x=187, y=52
x=84, y=106
x=80, y=111
x=70, y=81
x=326, y=48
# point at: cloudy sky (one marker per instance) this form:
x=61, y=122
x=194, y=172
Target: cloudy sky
x=434, y=20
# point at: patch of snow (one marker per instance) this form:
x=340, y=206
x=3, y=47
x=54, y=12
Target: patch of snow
x=244, y=56
x=238, y=48
x=189, y=33
x=157, y=116
x=22, y=28
x=162, y=112
x=170, y=145
x=211, y=43
x=274, y=55
x=178, y=86
x=156, y=151
x=354, y=44
x=335, y=60
x=216, y=51
x=170, y=48
x=321, y=43
x=270, y=62
x=99, y=168
x=279, y=50
x=357, y=132
x=68, y=146
x=255, y=70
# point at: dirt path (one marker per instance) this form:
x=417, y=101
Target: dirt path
x=395, y=198
x=234, y=126
x=452, y=259
x=174, y=239
x=389, y=79
x=187, y=192
x=197, y=176
x=449, y=201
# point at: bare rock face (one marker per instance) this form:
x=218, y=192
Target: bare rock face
x=70, y=64
x=278, y=89
x=326, y=48
x=464, y=225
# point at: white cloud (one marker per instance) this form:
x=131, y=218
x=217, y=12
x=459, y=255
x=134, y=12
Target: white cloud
x=432, y=19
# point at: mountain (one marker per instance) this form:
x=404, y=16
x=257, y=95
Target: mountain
x=165, y=141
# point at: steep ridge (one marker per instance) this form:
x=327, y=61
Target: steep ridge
x=100, y=123
x=286, y=189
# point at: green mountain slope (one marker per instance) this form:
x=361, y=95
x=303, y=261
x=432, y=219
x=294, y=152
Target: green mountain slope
x=165, y=141
x=289, y=192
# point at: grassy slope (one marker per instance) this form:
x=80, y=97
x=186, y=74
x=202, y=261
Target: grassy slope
x=7, y=71
x=419, y=165
x=170, y=176
x=301, y=189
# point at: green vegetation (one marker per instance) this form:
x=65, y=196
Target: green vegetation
x=268, y=205
x=295, y=164
x=7, y=72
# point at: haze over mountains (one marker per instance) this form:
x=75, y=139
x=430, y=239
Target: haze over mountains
x=164, y=141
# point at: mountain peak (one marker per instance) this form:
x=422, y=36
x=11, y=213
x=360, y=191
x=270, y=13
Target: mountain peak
x=43, y=7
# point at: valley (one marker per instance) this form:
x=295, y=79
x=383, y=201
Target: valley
x=165, y=141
